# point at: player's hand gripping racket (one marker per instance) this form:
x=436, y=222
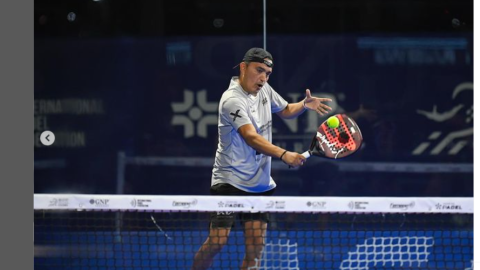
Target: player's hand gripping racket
x=337, y=142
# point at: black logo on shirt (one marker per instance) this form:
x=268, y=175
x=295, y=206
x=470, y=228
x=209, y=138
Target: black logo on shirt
x=235, y=115
x=264, y=101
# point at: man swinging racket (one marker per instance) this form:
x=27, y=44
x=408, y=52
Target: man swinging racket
x=244, y=155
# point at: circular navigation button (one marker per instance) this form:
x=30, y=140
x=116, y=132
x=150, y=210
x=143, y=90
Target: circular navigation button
x=47, y=138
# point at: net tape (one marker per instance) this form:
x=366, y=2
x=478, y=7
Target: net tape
x=254, y=204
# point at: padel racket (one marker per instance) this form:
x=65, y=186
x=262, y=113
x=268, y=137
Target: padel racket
x=337, y=142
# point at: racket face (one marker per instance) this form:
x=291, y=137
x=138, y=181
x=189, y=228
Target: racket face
x=337, y=142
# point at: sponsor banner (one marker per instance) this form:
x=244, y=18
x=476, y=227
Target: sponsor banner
x=140, y=203
x=254, y=204
x=60, y=202
x=276, y=204
x=448, y=206
x=402, y=206
x=184, y=204
x=358, y=205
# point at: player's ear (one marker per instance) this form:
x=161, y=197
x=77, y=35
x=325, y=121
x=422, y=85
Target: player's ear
x=243, y=66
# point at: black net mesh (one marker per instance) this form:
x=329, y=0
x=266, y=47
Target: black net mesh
x=170, y=240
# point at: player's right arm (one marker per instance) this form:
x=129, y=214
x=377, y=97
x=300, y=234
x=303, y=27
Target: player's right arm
x=234, y=111
x=260, y=144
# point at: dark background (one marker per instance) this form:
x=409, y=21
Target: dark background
x=120, y=18
x=384, y=63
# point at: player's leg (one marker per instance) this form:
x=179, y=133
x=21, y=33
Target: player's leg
x=220, y=225
x=255, y=232
x=217, y=238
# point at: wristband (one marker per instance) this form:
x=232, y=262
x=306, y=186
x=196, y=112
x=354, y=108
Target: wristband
x=282, y=155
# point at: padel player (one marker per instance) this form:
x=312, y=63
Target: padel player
x=245, y=150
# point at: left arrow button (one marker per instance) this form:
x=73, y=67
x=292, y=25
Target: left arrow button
x=47, y=138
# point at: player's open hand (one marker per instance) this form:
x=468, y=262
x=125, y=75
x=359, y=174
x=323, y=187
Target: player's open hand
x=316, y=104
x=293, y=159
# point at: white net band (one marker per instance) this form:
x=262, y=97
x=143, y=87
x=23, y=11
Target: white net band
x=253, y=204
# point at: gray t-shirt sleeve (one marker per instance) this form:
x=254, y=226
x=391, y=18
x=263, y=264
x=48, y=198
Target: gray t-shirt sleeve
x=278, y=103
x=235, y=111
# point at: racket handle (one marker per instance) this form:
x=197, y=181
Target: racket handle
x=306, y=154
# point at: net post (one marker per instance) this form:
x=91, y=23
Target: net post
x=121, y=163
x=265, y=24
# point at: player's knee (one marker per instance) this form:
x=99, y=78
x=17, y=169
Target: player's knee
x=216, y=243
x=255, y=241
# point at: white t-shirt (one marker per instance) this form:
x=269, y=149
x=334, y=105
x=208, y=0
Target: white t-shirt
x=237, y=163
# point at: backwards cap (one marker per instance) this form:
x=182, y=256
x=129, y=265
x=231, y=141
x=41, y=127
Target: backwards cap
x=258, y=55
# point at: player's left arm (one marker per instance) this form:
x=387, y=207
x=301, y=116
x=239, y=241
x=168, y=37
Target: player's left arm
x=293, y=110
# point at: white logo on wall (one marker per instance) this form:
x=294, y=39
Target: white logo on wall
x=357, y=205
x=402, y=206
x=317, y=204
x=194, y=121
x=275, y=204
x=99, y=202
x=453, y=138
x=141, y=203
x=231, y=204
x=397, y=252
x=448, y=206
x=185, y=204
x=281, y=255
x=416, y=51
x=58, y=202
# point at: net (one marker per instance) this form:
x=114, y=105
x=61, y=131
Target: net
x=165, y=232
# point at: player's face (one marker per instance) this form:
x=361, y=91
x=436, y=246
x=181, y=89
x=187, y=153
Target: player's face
x=255, y=76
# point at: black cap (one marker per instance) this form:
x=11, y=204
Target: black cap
x=258, y=55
